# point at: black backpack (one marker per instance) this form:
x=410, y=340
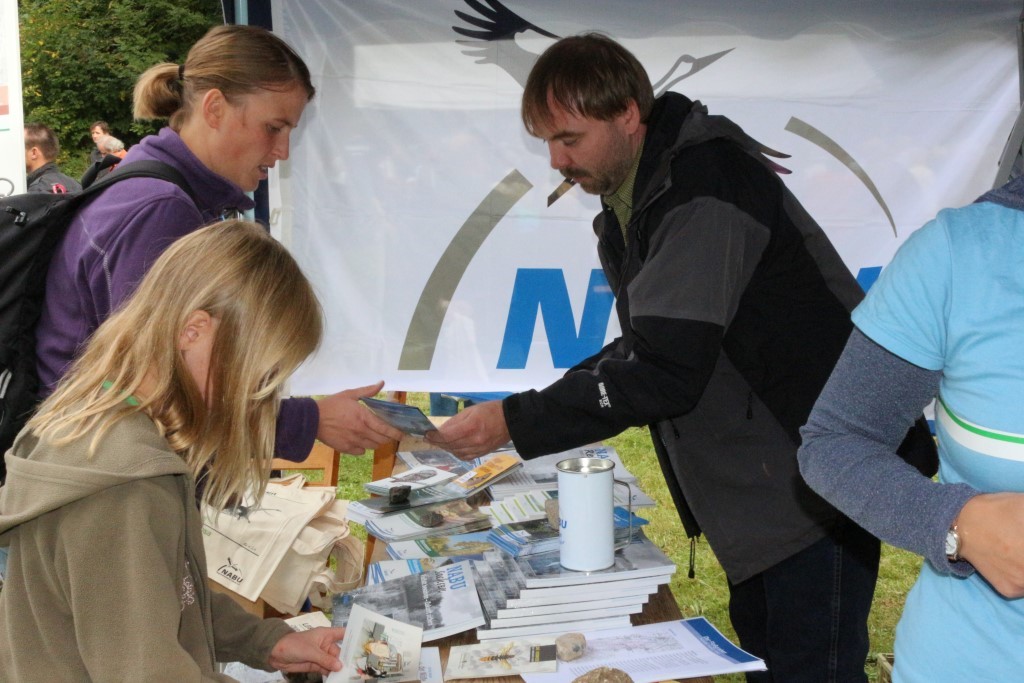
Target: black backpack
x=31, y=227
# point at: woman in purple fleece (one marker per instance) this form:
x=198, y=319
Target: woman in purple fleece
x=231, y=108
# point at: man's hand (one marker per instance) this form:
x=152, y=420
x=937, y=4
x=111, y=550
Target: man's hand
x=476, y=430
x=348, y=426
x=313, y=650
x=991, y=528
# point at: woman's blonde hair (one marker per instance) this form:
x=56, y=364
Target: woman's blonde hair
x=235, y=59
x=269, y=322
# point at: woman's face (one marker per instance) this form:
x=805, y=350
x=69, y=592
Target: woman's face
x=254, y=134
x=97, y=136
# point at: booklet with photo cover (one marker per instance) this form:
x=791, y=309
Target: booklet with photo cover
x=407, y=418
x=502, y=658
x=378, y=648
x=415, y=478
x=471, y=545
x=385, y=570
x=442, y=601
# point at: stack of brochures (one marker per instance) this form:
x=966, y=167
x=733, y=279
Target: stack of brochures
x=535, y=595
x=538, y=536
x=441, y=543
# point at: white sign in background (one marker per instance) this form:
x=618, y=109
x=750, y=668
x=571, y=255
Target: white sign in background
x=12, y=136
x=886, y=110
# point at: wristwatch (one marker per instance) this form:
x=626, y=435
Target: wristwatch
x=953, y=544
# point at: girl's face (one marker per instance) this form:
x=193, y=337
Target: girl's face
x=253, y=134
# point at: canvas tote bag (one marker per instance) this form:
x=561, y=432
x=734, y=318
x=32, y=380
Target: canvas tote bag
x=306, y=570
x=246, y=543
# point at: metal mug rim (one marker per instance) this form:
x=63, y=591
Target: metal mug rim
x=585, y=465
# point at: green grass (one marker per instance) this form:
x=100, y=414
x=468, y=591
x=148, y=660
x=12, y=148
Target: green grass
x=707, y=594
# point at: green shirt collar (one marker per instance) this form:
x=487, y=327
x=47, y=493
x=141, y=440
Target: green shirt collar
x=621, y=201
x=129, y=399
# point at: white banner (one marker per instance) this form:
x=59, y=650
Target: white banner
x=416, y=201
x=12, y=135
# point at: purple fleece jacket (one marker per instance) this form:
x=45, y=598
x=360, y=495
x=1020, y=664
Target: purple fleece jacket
x=111, y=244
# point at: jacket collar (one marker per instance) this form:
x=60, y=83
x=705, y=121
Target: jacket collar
x=36, y=174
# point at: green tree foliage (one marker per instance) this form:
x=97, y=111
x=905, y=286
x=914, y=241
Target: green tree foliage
x=80, y=60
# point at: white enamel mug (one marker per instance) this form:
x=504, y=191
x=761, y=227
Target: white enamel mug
x=586, y=533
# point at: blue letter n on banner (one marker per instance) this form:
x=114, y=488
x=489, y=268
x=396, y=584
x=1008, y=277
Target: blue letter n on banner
x=544, y=289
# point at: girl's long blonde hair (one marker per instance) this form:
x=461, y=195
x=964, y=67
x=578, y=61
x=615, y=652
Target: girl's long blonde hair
x=270, y=321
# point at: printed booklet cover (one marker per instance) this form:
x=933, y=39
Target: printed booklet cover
x=409, y=419
x=502, y=658
x=378, y=648
x=471, y=545
x=442, y=601
x=418, y=477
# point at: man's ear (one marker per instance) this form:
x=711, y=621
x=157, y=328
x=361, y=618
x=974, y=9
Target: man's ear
x=630, y=118
x=214, y=107
x=198, y=325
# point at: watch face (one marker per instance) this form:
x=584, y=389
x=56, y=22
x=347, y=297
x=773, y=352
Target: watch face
x=952, y=544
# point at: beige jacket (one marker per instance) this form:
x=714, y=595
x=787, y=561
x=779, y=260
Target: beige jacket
x=106, y=577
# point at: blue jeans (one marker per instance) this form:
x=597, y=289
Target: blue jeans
x=807, y=615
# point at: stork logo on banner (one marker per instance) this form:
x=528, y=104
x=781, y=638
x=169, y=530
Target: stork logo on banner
x=490, y=39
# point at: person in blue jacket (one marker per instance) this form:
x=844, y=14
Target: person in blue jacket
x=944, y=321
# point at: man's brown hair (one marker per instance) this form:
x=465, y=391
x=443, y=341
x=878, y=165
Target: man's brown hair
x=43, y=137
x=588, y=75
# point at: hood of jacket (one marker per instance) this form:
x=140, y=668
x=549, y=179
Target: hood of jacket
x=42, y=477
x=676, y=123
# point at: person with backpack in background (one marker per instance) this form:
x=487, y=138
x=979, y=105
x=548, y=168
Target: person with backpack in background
x=231, y=108
x=107, y=574
x=41, y=150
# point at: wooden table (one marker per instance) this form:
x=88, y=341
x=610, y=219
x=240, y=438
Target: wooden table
x=661, y=606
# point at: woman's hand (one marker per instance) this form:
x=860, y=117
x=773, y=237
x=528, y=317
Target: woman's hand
x=991, y=528
x=313, y=650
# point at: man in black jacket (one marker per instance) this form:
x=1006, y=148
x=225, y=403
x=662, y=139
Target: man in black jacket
x=734, y=307
x=41, y=150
